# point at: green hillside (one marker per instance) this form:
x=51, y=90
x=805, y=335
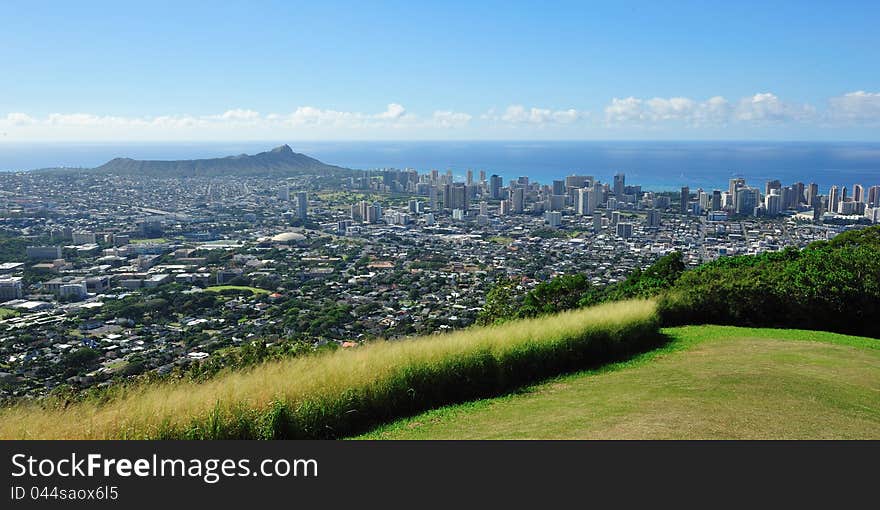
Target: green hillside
x=709, y=382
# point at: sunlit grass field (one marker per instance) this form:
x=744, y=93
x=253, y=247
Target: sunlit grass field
x=6, y=313
x=350, y=391
x=221, y=288
x=707, y=382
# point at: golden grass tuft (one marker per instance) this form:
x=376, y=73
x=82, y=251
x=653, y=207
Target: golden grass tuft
x=347, y=391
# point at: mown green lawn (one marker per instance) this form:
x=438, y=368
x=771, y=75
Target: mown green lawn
x=6, y=313
x=708, y=382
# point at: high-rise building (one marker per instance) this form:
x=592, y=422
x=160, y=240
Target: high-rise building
x=432, y=198
x=460, y=199
x=773, y=203
x=747, y=200
x=705, y=201
x=772, y=185
x=873, y=196
x=302, y=204
x=11, y=287
x=559, y=187
x=517, y=200
x=455, y=196
x=833, y=199
x=553, y=218
x=597, y=223
x=716, y=200
x=734, y=186
x=653, y=219
x=624, y=230
x=812, y=194
x=619, y=186
x=374, y=212
x=576, y=181
x=284, y=194
x=495, y=184
x=587, y=201
x=789, y=198
x=799, y=195
x=685, y=199
x=858, y=193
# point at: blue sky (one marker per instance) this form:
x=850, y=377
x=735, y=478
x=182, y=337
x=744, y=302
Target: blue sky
x=449, y=70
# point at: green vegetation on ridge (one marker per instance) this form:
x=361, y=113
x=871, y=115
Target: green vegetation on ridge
x=829, y=285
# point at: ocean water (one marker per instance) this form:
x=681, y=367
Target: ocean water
x=655, y=165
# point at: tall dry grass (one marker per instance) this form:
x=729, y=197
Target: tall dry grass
x=345, y=392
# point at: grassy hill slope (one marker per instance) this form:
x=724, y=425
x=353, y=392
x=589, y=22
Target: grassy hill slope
x=708, y=382
x=349, y=391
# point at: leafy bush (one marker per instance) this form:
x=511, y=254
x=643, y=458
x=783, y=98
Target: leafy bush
x=833, y=286
x=506, y=302
x=560, y=293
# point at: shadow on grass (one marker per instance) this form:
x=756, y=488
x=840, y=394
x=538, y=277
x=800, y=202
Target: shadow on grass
x=648, y=349
x=413, y=388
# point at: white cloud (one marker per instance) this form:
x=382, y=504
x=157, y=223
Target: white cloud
x=519, y=114
x=19, y=119
x=449, y=119
x=394, y=111
x=715, y=111
x=767, y=107
x=394, y=115
x=656, y=113
x=233, y=121
x=624, y=110
x=240, y=114
x=674, y=108
x=858, y=107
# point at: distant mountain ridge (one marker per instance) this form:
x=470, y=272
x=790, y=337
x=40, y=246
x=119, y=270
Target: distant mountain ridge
x=280, y=161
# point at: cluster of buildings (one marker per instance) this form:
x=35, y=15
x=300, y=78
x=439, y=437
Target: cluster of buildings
x=150, y=274
x=775, y=200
